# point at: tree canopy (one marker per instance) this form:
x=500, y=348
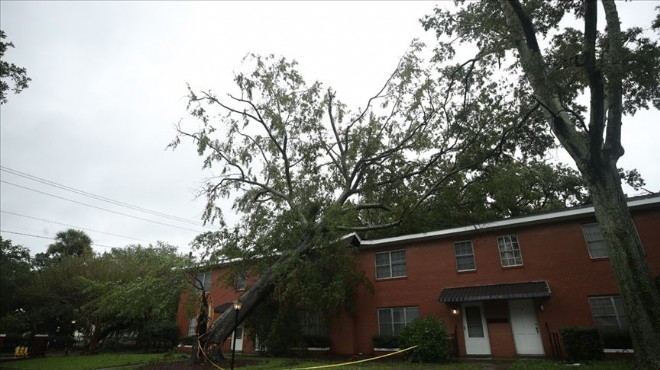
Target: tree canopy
x=585, y=82
x=304, y=169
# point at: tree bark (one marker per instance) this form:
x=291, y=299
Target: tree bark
x=596, y=159
x=223, y=327
x=626, y=253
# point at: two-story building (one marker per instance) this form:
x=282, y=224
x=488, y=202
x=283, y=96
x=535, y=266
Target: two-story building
x=503, y=288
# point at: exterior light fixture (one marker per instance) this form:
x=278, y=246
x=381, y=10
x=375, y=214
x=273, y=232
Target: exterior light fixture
x=454, y=311
x=237, y=307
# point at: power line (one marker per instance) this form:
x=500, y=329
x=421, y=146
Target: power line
x=47, y=237
x=77, y=227
x=97, y=197
x=97, y=207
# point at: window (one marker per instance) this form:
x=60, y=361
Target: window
x=594, y=239
x=203, y=278
x=509, y=250
x=464, y=256
x=192, y=326
x=392, y=320
x=611, y=321
x=312, y=324
x=241, y=281
x=390, y=264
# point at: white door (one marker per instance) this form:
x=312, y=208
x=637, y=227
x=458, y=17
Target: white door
x=239, y=338
x=475, y=330
x=525, y=328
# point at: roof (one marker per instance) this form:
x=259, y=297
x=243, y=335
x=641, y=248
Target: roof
x=530, y=289
x=547, y=217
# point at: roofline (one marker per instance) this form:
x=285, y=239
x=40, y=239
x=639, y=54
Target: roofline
x=564, y=214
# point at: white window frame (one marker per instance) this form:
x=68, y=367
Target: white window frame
x=406, y=320
x=618, y=313
x=192, y=326
x=389, y=254
x=511, y=245
x=241, y=281
x=206, y=280
x=592, y=236
x=471, y=254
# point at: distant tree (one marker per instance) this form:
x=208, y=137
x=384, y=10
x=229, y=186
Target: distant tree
x=70, y=243
x=133, y=288
x=10, y=71
x=15, y=274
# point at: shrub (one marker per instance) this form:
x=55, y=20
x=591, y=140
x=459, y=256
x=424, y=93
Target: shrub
x=582, y=344
x=385, y=341
x=317, y=341
x=430, y=336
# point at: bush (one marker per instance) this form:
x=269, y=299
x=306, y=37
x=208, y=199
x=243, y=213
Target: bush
x=316, y=341
x=385, y=341
x=431, y=338
x=582, y=344
x=187, y=341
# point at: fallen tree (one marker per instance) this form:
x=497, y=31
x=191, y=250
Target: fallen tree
x=305, y=170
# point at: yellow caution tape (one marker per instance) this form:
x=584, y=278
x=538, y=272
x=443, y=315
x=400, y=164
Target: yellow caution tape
x=354, y=362
x=201, y=349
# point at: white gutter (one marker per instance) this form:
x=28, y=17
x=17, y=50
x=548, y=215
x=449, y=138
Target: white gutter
x=567, y=213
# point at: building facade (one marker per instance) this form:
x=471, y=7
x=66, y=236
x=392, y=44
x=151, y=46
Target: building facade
x=503, y=288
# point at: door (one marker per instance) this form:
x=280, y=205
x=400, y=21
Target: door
x=525, y=328
x=475, y=330
x=239, y=338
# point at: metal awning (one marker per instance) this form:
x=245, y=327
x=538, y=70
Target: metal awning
x=530, y=289
x=222, y=308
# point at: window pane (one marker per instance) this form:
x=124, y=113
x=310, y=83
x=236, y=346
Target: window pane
x=390, y=264
x=398, y=316
x=399, y=269
x=594, y=239
x=611, y=321
x=382, y=259
x=473, y=320
x=383, y=272
x=398, y=256
x=412, y=313
x=385, y=321
x=464, y=256
x=192, y=326
x=509, y=250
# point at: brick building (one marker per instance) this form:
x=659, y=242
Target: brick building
x=504, y=288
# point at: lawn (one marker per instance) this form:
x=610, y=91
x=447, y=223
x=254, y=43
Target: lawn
x=547, y=365
x=159, y=361
x=85, y=362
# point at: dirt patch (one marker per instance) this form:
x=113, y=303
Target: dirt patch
x=187, y=365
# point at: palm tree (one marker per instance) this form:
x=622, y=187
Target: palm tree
x=70, y=243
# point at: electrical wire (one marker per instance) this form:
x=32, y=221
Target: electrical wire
x=97, y=207
x=47, y=237
x=97, y=197
x=74, y=226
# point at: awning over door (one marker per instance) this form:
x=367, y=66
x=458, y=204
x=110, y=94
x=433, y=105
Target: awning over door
x=531, y=289
x=222, y=308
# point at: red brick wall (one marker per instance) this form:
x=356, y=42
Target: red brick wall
x=555, y=252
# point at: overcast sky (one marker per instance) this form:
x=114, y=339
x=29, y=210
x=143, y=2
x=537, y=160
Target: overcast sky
x=109, y=84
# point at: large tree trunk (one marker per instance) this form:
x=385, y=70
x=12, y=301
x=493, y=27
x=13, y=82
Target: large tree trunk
x=626, y=252
x=222, y=328
x=596, y=158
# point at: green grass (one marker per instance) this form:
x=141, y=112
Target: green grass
x=553, y=365
x=87, y=361
x=297, y=363
x=293, y=363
